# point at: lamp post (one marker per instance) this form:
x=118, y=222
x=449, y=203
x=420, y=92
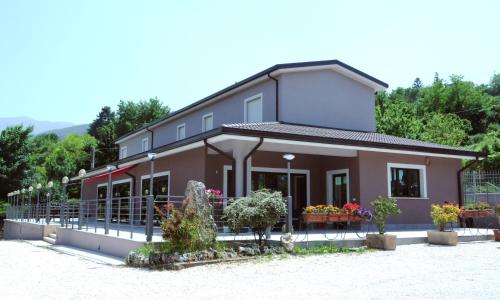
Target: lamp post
x=62, y=209
x=150, y=203
x=8, y=201
x=107, y=213
x=23, y=191
x=289, y=158
x=37, y=214
x=30, y=207
x=50, y=184
x=81, y=174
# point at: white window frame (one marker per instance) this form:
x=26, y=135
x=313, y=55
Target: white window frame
x=422, y=175
x=177, y=132
x=123, y=149
x=329, y=184
x=205, y=116
x=129, y=180
x=253, y=98
x=145, y=141
x=159, y=174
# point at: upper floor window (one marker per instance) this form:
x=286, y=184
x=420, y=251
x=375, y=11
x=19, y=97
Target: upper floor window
x=181, y=131
x=253, y=109
x=407, y=180
x=207, y=122
x=123, y=152
x=145, y=144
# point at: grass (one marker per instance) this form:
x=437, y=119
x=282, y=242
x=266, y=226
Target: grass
x=326, y=249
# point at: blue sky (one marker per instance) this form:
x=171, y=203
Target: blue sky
x=64, y=60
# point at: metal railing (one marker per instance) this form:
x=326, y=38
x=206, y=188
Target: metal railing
x=133, y=217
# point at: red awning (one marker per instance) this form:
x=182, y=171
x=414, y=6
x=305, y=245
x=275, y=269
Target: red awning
x=114, y=173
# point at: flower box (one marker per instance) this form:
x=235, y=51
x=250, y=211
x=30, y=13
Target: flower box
x=354, y=218
x=476, y=213
x=333, y=218
x=344, y=217
x=315, y=218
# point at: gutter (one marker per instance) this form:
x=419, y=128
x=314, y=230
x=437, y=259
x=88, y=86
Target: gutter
x=459, y=179
x=233, y=162
x=277, y=96
x=245, y=164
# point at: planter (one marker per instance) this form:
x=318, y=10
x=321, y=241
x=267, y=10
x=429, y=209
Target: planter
x=343, y=217
x=333, y=218
x=476, y=213
x=315, y=218
x=354, y=218
x=448, y=238
x=484, y=213
x=496, y=233
x=381, y=241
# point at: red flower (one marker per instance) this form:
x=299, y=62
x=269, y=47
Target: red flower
x=351, y=206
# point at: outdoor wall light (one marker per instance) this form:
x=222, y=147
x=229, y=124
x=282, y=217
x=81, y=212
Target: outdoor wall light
x=38, y=186
x=65, y=180
x=151, y=156
x=50, y=184
x=110, y=168
x=30, y=189
x=289, y=157
x=23, y=191
x=82, y=173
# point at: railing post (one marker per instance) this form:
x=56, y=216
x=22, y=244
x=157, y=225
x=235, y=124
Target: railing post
x=107, y=212
x=80, y=208
x=47, y=210
x=289, y=214
x=149, y=218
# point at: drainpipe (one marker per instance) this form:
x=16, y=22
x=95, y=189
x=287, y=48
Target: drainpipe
x=277, y=96
x=233, y=161
x=245, y=164
x=459, y=181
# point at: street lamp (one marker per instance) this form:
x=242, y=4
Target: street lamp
x=30, y=191
x=50, y=184
x=150, y=203
x=10, y=205
x=81, y=174
x=62, y=209
x=16, y=197
x=289, y=157
x=37, y=215
x=23, y=191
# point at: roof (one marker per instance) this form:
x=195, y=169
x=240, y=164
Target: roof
x=305, y=133
x=260, y=74
x=343, y=137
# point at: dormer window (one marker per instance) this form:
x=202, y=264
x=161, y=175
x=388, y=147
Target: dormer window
x=123, y=152
x=145, y=144
x=207, y=122
x=181, y=131
x=253, y=109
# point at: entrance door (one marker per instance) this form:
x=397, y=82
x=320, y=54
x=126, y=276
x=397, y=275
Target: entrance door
x=339, y=189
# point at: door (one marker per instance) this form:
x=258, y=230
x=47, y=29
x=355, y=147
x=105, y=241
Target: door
x=339, y=189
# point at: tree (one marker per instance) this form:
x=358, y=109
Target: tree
x=446, y=129
x=132, y=115
x=398, y=118
x=488, y=143
x=103, y=130
x=14, y=158
x=493, y=87
x=105, y=117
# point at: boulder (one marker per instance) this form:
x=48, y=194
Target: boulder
x=197, y=198
x=287, y=242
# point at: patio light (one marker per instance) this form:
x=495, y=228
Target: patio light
x=30, y=189
x=151, y=156
x=50, y=184
x=289, y=157
x=82, y=173
x=38, y=186
x=65, y=180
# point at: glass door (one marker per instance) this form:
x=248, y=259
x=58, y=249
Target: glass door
x=339, y=189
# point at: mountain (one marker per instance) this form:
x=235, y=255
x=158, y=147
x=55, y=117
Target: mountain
x=39, y=126
x=63, y=132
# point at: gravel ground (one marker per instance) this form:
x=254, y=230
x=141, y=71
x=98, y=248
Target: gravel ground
x=468, y=271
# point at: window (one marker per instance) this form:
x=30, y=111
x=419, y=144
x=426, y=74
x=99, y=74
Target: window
x=181, y=131
x=207, y=122
x=253, y=109
x=145, y=144
x=407, y=180
x=123, y=152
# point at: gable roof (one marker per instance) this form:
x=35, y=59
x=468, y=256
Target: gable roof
x=336, y=65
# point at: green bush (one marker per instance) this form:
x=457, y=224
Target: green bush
x=383, y=207
x=181, y=230
x=442, y=214
x=262, y=210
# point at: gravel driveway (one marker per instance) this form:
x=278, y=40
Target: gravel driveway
x=468, y=271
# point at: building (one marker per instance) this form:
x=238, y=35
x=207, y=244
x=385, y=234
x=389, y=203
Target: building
x=323, y=112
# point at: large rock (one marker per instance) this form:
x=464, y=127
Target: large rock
x=197, y=198
x=287, y=242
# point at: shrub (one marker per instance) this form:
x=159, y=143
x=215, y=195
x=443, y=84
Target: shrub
x=181, y=229
x=262, y=210
x=442, y=214
x=383, y=208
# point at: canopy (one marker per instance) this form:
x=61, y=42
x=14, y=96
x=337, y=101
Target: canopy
x=114, y=173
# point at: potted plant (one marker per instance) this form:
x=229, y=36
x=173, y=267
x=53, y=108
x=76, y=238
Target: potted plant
x=383, y=207
x=333, y=213
x=442, y=214
x=315, y=214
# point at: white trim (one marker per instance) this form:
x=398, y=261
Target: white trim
x=272, y=170
x=250, y=99
x=146, y=140
x=329, y=184
x=422, y=174
x=123, y=149
x=203, y=128
x=159, y=174
x=183, y=125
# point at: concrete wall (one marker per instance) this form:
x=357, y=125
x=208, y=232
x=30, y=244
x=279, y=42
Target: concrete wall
x=326, y=98
x=26, y=231
x=441, y=183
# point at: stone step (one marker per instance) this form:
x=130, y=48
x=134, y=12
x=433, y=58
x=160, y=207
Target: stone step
x=50, y=240
x=52, y=235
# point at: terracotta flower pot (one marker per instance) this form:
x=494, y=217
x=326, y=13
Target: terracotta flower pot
x=496, y=233
x=333, y=217
x=381, y=241
x=315, y=218
x=343, y=217
x=354, y=218
x=448, y=238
